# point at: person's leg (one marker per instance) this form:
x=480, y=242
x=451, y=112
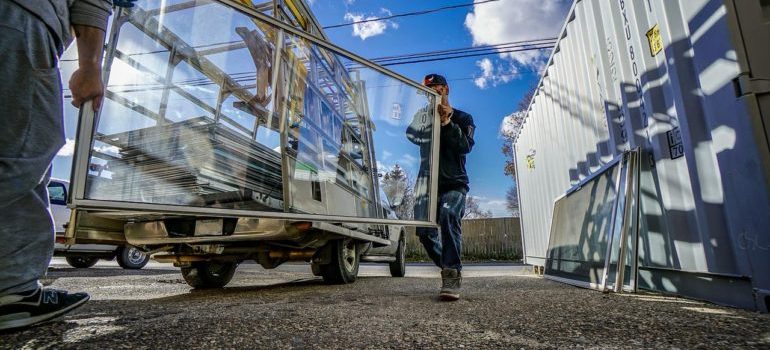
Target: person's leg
x=28, y=240
x=32, y=133
x=450, y=216
x=429, y=238
x=30, y=93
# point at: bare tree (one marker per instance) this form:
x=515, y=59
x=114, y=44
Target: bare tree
x=473, y=211
x=399, y=190
x=513, y=124
x=512, y=201
x=511, y=129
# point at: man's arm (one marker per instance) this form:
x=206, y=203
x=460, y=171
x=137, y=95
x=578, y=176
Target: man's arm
x=458, y=137
x=89, y=22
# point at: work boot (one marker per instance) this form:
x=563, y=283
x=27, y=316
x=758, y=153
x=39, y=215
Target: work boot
x=36, y=306
x=450, y=284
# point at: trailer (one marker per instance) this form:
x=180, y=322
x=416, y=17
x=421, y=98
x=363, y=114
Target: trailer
x=233, y=131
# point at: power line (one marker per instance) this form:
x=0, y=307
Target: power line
x=430, y=56
x=494, y=48
x=416, y=13
x=522, y=49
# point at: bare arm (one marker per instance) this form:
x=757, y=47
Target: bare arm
x=86, y=81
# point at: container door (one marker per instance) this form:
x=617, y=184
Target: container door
x=750, y=20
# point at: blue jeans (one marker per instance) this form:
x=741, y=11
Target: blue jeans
x=445, y=249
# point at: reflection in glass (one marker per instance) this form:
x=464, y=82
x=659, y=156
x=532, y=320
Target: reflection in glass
x=236, y=113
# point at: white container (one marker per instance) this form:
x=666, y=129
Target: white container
x=668, y=77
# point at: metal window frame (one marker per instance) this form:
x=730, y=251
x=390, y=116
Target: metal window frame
x=627, y=177
x=88, y=120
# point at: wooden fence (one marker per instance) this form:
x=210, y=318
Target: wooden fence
x=483, y=239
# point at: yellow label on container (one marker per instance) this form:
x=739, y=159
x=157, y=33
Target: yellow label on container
x=655, y=40
x=530, y=162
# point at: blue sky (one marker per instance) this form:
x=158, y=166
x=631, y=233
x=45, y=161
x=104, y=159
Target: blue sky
x=487, y=87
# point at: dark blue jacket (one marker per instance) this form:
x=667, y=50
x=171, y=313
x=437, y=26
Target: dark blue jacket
x=456, y=142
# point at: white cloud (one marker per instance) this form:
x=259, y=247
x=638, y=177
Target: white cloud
x=108, y=149
x=499, y=22
x=370, y=29
x=491, y=75
x=512, y=123
x=68, y=149
x=408, y=160
x=495, y=205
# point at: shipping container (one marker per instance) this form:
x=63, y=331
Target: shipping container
x=686, y=82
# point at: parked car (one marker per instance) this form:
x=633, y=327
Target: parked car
x=86, y=255
x=395, y=253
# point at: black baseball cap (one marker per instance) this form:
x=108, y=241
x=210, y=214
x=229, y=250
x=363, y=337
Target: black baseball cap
x=434, y=79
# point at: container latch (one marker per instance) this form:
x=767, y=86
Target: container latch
x=745, y=85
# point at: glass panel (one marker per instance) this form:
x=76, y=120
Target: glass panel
x=580, y=232
x=234, y=113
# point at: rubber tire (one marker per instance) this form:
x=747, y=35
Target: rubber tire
x=207, y=274
x=129, y=262
x=398, y=267
x=337, y=271
x=81, y=262
x=315, y=269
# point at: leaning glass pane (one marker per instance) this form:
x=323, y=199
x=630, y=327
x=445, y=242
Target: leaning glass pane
x=237, y=113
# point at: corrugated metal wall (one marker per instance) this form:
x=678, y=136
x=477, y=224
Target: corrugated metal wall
x=658, y=75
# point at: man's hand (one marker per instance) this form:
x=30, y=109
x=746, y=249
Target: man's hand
x=86, y=85
x=445, y=109
x=86, y=81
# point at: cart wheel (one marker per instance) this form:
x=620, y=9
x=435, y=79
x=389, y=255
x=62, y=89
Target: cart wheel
x=206, y=274
x=131, y=258
x=81, y=262
x=344, y=264
x=398, y=267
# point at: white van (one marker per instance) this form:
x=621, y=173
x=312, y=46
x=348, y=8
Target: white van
x=86, y=255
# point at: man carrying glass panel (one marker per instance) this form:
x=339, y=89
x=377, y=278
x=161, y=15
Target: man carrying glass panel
x=456, y=142
x=34, y=35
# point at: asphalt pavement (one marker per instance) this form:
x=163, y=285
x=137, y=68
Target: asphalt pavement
x=503, y=307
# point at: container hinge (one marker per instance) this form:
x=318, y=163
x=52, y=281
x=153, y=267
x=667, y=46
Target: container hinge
x=745, y=85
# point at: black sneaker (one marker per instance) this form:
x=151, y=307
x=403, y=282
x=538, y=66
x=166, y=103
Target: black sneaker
x=35, y=306
x=450, y=285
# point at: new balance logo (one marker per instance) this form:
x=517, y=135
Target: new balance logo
x=50, y=297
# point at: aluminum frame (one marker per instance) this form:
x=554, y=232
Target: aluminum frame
x=628, y=178
x=88, y=119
